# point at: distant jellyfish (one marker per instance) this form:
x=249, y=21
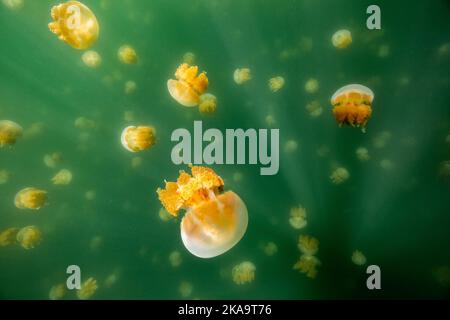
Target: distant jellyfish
x=307, y=264
x=276, y=83
x=75, y=24
x=386, y=164
x=362, y=154
x=297, y=217
x=185, y=289
x=127, y=54
x=91, y=59
x=341, y=39
x=10, y=132
x=112, y=278
x=188, y=86
x=358, y=258
x=352, y=105
x=308, y=245
x=311, y=85
x=290, y=146
x=242, y=75
x=270, y=120
x=382, y=139
x=444, y=171
x=238, y=176
x=136, y=162
x=4, y=176
x=90, y=195
x=28, y=237
x=189, y=58
x=208, y=103
x=8, y=237
x=88, y=288
x=30, y=198
x=130, y=87
x=339, y=175
x=139, y=138
x=84, y=123
x=53, y=159
x=63, y=177
x=34, y=130
x=175, y=259
x=214, y=221
x=57, y=292
x=444, y=49
x=270, y=248
x=13, y=4
x=243, y=272
x=164, y=215
x=323, y=151
x=314, y=109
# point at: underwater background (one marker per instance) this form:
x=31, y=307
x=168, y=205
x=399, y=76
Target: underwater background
x=394, y=207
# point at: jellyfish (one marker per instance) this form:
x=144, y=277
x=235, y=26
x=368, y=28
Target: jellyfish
x=362, y=154
x=112, y=278
x=52, y=160
x=10, y=132
x=30, y=198
x=185, y=289
x=130, y=87
x=270, y=120
x=311, y=85
x=270, y=248
x=139, y=138
x=57, y=292
x=87, y=289
x=276, y=83
x=75, y=24
x=383, y=51
x=314, y=109
x=339, y=175
x=34, y=130
x=13, y=4
x=8, y=237
x=214, y=221
x=188, y=86
x=382, y=139
x=243, y=272
x=241, y=76
x=189, y=58
x=290, y=146
x=341, y=39
x=352, y=105
x=91, y=59
x=307, y=264
x=29, y=237
x=84, y=123
x=297, y=217
x=208, y=103
x=4, y=176
x=127, y=54
x=358, y=258
x=175, y=259
x=308, y=245
x=323, y=151
x=63, y=177
x=164, y=215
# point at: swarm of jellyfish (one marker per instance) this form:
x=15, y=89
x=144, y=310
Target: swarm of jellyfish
x=135, y=139
x=87, y=289
x=10, y=132
x=243, y=273
x=30, y=198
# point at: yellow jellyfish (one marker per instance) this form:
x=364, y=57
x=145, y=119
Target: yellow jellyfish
x=30, y=198
x=189, y=58
x=270, y=248
x=29, y=237
x=243, y=272
x=13, y=4
x=208, y=103
x=341, y=39
x=188, y=86
x=297, y=217
x=290, y=146
x=63, y=177
x=130, y=87
x=185, y=289
x=52, y=160
x=84, y=123
x=164, y=215
x=276, y=83
x=352, y=105
x=358, y=258
x=312, y=85
x=4, y=176
x=314, y=109
x=308, y=245
x=75, y=24
x=136, y=162
x=214, y=221
x=87, y=289
x=362, y=154
x=127, y=54
x=175, y=259
x=139, y=138
x=57, y=292
x=34, y=130
x=8, y=237
x=91, y=59
x=307, y=264
x=10, y=132
x=241, y=76
x=340, y=175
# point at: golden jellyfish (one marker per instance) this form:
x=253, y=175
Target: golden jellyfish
x=30, y=198
x=8, y=237
x=139, y=138
x=308, y=245
x=270, y=248
x=57, y=292
x=314, y=109
x=276, y=83
x=339, y=175
x=312, y=85
x=243, y=272
x=63, y=177
x=4, y=176
x=29, y=237
x=164, y=215
x=13, y=4
x=307, y=264
x=208, y=103
x=352, y=105
x=382, y=139
x=52, y=160
x=75, y=24
x=297, y=217
x=87, y=289
x=10, y=132
x=214, y=221
x=175, y=259
x=91, y=59
x=362, y=154
x=188, y=86
x=189, y=58
x=130, y=87
x=358, y=258
x=341, y=39
x=127, y=54
x=242, y=75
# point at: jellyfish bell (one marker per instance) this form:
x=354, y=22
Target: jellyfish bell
x=10, y=132
x=139, y=138
x=182, y=93
x=188, y=86
x=341, y=39
x=30, y=198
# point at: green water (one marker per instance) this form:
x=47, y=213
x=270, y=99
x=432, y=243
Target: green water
x=397, y=215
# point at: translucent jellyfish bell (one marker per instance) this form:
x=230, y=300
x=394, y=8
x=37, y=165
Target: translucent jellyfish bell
x=188, y=86
x=9, y=132
x=139, y=138
x=341, y=39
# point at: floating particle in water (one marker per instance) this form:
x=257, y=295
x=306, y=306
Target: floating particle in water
x=189, y=58
x=75, y=24
x=358, y=258
x=164, y=215
x=53, y=159
x=130, y=87
x=29, y=237
x=276, y=83
x=339, y=175
x=63, y=177
x=136, y=162
x=297, y=217
x=57, y=292
x=386, y=164
x=444, y=171
x=314, y=108
x=185, y=289
x=139, y=138
x=90, y=195
x=127, y=54
x=84, y=123
x=4, y=176
x=307, y=264
x=243, y=273
x=362, y=154
x=88, y=289
x=91, y=59
x=341, y=39
x=308, y=245
x=188, y=86
x=208, y=103
x=10, y=132
x=175, y=259
x=242, y=75
x=381, y=140
x=8, y=237
x=290, y=146
x=312, y=85
x=214, y=221
x=270, y=248
x=30, y=198
x=95, y=243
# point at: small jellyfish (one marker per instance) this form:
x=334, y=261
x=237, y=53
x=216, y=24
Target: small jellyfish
x=308, y=245
x=312, y=85
x=189, y=58
x=29, y=237
x=444, y=50
x=214, y=221
x=34, y=130
x=84, y=123
x=8, y=237
x=243, y=272
x=75, y=24
x=30, y=198
x=290, y=146
x=339, y=175
x=175, y=259
x=352, y=105
x=13, y=4
x=362, y=154
x=386, y=164
x=164, y=215
x=208, y=103
x=53, y=159
x=4, y=176
x=57, y=292
x=341, y=39
x=270, y=249
x=358, y=258
x=382, y=139
x=276, y=83
x=112, y=278
x=87, y=289
x=91, y=59
x=127, y=54
x=139, y=138
x=314, y=109
x=188, y=86
x=307, y=264
x=130, y=87
x=63, y=177
x=185, y=289
x=297, y=217
x=242, y=75
x=10, y=132
x=270, y=120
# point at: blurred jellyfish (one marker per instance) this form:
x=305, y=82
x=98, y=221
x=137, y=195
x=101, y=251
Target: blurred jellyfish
x=237, y=177
x=57, y=292
x=208, y=103
x=164, y=215
x=341, y=39
x=34, y=130
x=243, y=272
x=314, y=109
x=95, y=243
x=386, y=164
x=127, y=54
x=175, y=259
x=214, y=221
x=8, y=237
x=29, y=237
x=382, y=139
x=87, y=289
x=136, y=162
x=308, y=245
x=185, y=289
x=297, y=217
x=30, y=198
x=270, y=248
x=13, y=4
x=290, y=146
x=339, y=175
x=53, y=159
x=307, y=264
x=4, y=176
x=312, y=85
x=189, y=58
x=112, y=278
x=84, y=123
x=358, y=258
x=128, y=116
x=270, y=120
x=362, y=154
x=10, y=132
x=91, y=59
x=130, y=87
x=75, y=24
x=444, y=171
x=139, y=138
x=63, y=177
x=241, y=76
x=188, y=86
x=276, y=83
x=90, y=195
x=383, y=51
